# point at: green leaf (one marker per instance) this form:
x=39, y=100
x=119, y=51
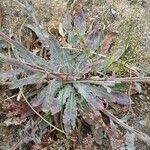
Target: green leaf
x=64, y=58
x=90, y=95
x=64, y=94
x=46, y=39
x=67, y=22
x=10, y=74
x=120, y=87
x=32, y=79
x=31, y=58
x=73, y=38
x=70, y=113
x=3, y=45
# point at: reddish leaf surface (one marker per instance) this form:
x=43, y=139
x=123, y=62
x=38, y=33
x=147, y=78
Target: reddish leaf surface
x=108, y=40
x=16, y=109
x=20, y=109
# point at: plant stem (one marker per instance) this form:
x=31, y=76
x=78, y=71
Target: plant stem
x=100, y=81
x=39, y=114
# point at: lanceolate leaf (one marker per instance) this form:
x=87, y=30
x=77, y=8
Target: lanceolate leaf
x=80, y=22
x=92, y=91
x=67, y=96
x=26, y=54
x=31, y=58
x=47, y=98
x=64, y=94
x=90, y=97
x=32, y=79
x=70, y=113
x=9, y=74
x=67, y=22
x=93, y=39
x=59, y=56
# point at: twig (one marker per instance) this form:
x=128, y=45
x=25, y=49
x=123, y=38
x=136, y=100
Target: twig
x=34, y=68
x=100, y=81
x=142, y=136
x=40, y=115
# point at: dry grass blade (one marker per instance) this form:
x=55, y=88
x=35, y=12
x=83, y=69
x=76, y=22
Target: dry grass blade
x=39, y=114
x=1, y=16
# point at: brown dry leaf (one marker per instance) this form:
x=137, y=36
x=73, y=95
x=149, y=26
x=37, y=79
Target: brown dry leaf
x=1, y=15
x=108, y=40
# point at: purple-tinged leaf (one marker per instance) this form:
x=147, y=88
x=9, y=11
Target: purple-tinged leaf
x=93, y=40
x=70, y=114
x=80, y=21
x=90, y=97
x=119, y=98
x=46, y=98
x=51, y=104
x=95, y=118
